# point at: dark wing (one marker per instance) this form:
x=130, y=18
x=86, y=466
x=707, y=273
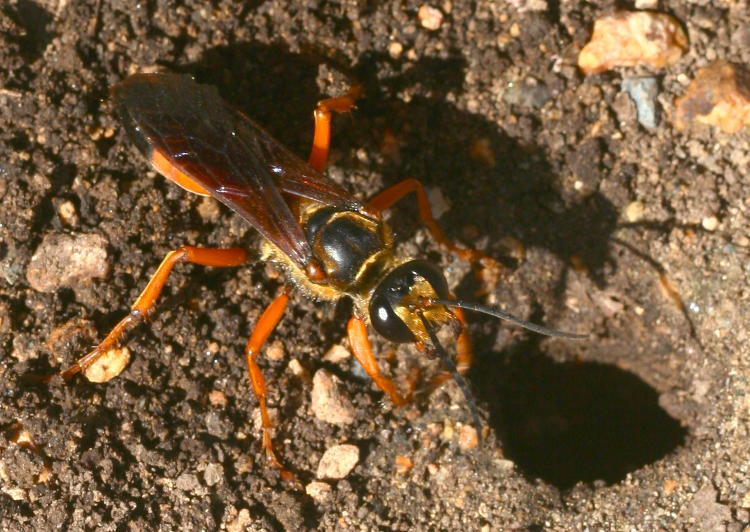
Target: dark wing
x=172, y=118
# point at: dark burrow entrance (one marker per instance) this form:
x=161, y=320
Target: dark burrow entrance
x=574, y=421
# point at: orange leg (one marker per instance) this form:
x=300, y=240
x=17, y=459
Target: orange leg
x=393, y=194
x=145, y=302
x=263, y=329
x=322, y=138
x=362, y=350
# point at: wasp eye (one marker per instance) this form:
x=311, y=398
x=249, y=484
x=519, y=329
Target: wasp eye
x=391, y=291
x=386, y=321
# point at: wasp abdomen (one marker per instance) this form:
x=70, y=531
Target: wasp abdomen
x=343, y=241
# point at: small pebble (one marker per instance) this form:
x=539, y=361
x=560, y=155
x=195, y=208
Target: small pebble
x=109, y=366
x=718, y=96
x=217, y=398
x=187, y=482
x=319, y=491
x=437, y=201
x=630, y=38
x=67, y=260
x=467, y=437
x=634, y=211
x=241, y=522
x=297, y=369
x=429, y=17
x=404, y=465
x=213, y=474
x=643, y=91
x=338, y=461
x=710, y=223
x=67, y=213
x=337, y=353
x=208, y=209
x=275, y=351
x=395, y=49
x=328, y=402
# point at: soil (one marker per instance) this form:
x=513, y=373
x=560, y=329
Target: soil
x=641, y=426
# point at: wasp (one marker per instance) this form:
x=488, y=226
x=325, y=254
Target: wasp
x=328, y=243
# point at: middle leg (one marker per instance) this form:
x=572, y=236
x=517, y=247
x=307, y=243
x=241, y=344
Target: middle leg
x=393, y=194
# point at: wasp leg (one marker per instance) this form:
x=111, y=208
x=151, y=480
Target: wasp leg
x=322, y=137
x=145, y=302
x=395, y=193
x=263, y=329
x=362, y=350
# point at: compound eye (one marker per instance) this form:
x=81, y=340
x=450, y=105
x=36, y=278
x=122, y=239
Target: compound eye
x=386, y=321
x=431, y=274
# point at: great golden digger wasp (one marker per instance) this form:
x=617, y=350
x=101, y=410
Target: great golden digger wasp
x=327, y=242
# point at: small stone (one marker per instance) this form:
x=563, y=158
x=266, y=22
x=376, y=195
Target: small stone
x=298, y=370
x=319, y=491
x=429, y=17
x=395, y=49
x=67, y=260
x=275, y=351
x=328, y=402
x=437, y=201
x=467, y=437
x=187, y=482
x=630, y=38
x=67, y=213
x=337, y=353
x=109, y=366
x=710, y=223
x=643, y=91
x=241, y=522
x=634, y=211
x=217, y=398
x=718, y=96
x=338, y=461
x=208, y=209
x=218, y=425
x=404, y=465
x=213, y=474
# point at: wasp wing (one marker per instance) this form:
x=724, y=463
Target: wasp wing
x=219, y=151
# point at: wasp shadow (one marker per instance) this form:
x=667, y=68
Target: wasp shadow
x=570, y=422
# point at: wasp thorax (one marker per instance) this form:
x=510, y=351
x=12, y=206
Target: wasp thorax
x=405, y=293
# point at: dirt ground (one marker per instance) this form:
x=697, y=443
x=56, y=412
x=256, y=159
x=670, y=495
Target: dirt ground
x=641, y=426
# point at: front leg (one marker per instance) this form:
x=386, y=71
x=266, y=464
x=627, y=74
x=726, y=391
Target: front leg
x=146, y=301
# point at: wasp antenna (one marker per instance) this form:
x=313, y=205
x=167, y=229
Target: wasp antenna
x=507, y=317
x=448, y=362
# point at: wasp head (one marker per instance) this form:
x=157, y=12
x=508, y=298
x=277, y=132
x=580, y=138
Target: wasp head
x=405, y=296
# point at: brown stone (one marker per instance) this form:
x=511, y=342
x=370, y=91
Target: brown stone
x=718, y=96
x=630, y=38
